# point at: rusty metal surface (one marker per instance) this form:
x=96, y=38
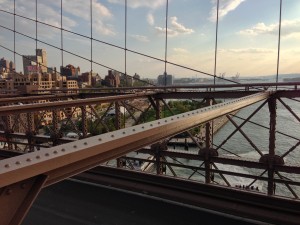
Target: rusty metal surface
x=36, y=98
x=16, y=199
x=202, y=86
x=6, y=110
x=203, y=94
x=69, y=159
x=38, y=137
x=234, y=161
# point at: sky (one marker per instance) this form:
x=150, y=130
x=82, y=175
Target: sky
x=247, y=40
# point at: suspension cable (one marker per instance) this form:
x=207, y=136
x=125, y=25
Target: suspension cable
x=216, y=42
x=166, y=42
x=279, y=37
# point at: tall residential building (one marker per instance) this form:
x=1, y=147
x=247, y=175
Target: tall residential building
x=113, y=78
x=6, y=66
x=126, y=81
x=165, y=79
x=35, y=63
x=70, y=71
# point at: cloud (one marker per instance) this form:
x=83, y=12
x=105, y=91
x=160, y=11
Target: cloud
x=102, y=28
x=224, y=8
x=52, y=17
x=81, y=9
x=150, y=19
x=153, y=4
x=49, y=15
x=247, y=50
x=295, y=35
x=175, y=28
x=146, y=60
x=162, y=31
x=180, y=50
x=73, y=11
x=289, y=28
x=179, y=27
x=7, y=5
x=140, y=38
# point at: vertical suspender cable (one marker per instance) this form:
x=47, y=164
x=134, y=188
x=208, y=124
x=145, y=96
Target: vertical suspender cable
x=279, y=37
x=36, y=37
x=166, y=42
x=61, y=34
x=91, y=12
x=216, y=42
x=125, y=50
x=15, y=33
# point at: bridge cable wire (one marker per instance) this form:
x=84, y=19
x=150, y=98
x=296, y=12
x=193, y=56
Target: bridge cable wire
x=15, y=33
x=106, y=43
x=166, y=42
x=125, y=50
x=60, y=48
x=61, y=34
x=279, y=37
x=216, y=41
x=36, y=37
x=91, y=15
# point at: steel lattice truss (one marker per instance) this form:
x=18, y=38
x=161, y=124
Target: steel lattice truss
x=43, y=160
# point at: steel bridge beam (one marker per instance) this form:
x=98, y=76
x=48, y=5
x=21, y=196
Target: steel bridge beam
x=7, y=110
x=37, y=138
x=181, y=94
x=228, y=160
x=288, y=94
x=62, y=161
x=204, y=94
x=36, y=98
x=245, y=86
x=16, y=199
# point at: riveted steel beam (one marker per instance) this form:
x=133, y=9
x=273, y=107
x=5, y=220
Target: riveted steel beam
x=16, y=199
x=245, y=86
x=63, y=161
x=7, y=110
x=35, y=98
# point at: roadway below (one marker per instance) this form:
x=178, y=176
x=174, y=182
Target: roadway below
x=81, y=203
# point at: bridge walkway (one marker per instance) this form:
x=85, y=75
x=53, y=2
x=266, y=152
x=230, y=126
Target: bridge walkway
x=75, y=203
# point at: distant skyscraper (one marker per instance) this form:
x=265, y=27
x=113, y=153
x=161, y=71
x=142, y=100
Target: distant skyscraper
x=165, y=79
x=70, y=71
x=35, y=63
x=113, y=78
x=6, y=66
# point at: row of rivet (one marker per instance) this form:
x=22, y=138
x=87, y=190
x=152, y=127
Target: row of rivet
x=143, y=127
x=85, y=143
x=37, y=157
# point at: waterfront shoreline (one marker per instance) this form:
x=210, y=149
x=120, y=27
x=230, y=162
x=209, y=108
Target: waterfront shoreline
x=188, y=142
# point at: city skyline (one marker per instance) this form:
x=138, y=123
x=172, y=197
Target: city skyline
x=247, y=37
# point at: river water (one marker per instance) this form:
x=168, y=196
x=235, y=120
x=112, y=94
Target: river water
x=237, y=144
